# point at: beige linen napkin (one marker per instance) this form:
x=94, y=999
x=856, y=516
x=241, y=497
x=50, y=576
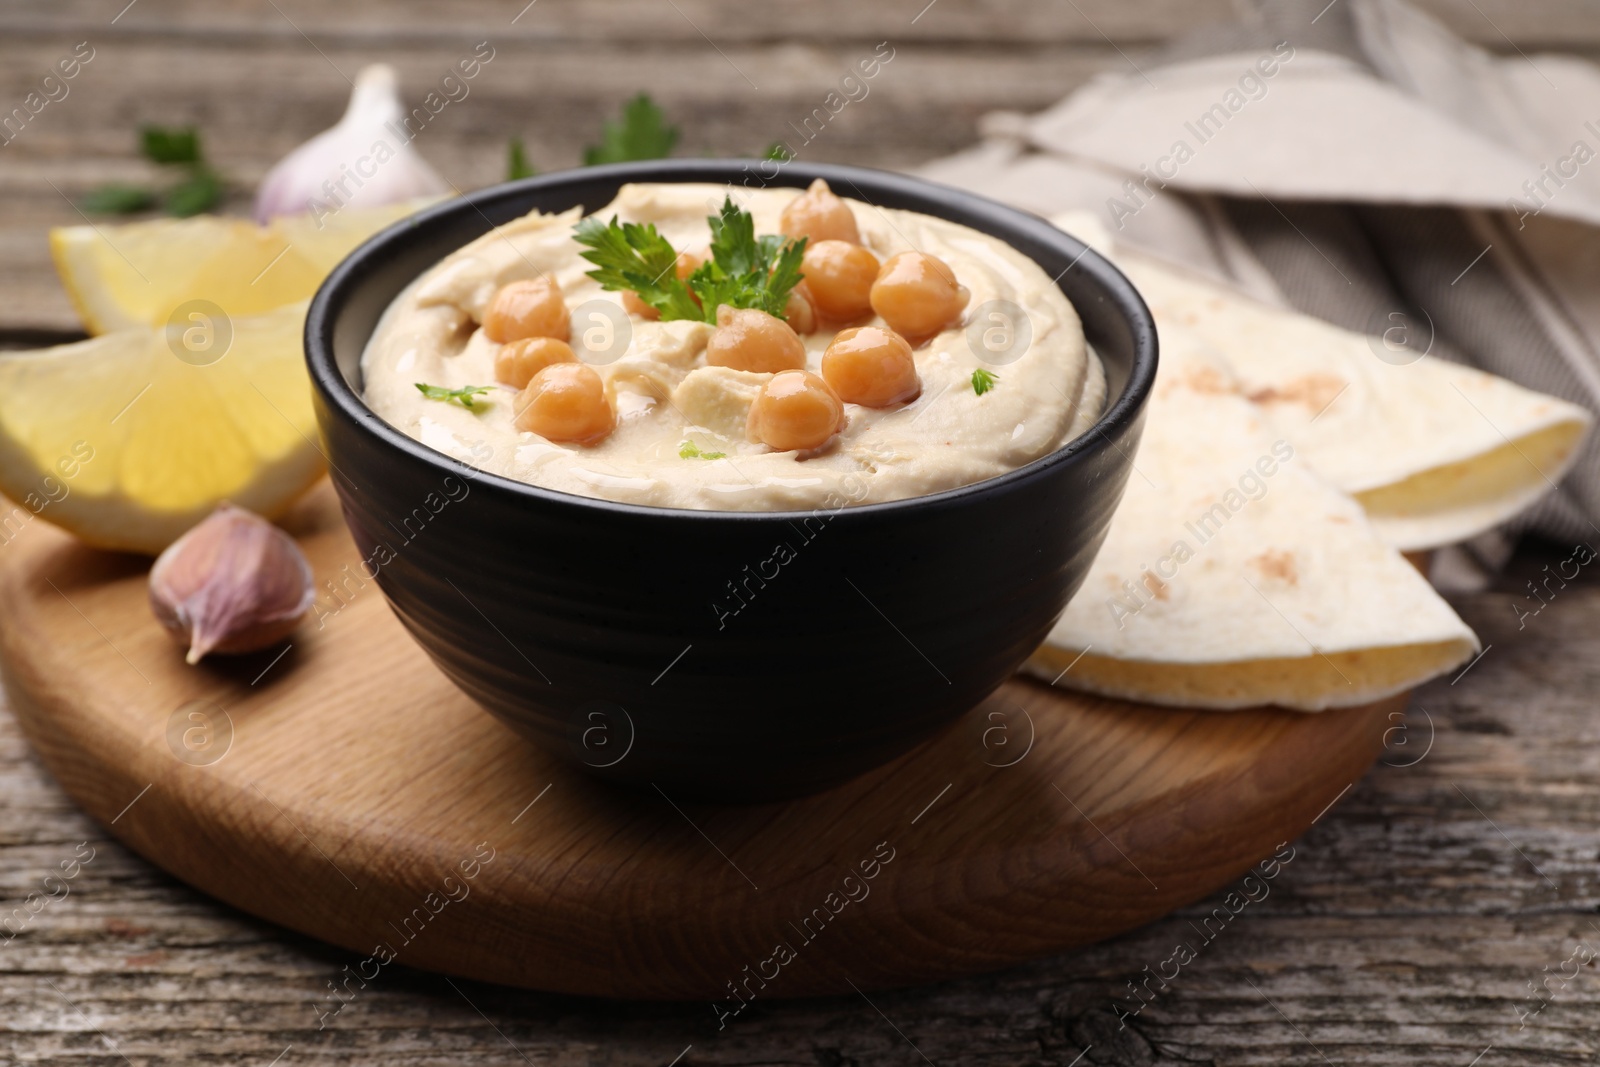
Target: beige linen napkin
x=1355, y=161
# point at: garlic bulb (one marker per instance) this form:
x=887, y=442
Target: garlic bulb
x=234, y=583
x=367, y=160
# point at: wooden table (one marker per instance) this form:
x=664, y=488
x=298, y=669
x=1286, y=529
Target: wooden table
x=260, y=76
x=1408, y=926
x=1404, y=931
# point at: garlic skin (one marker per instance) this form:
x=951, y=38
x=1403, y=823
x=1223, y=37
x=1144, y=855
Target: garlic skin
x=234, y=583
x=367, y=160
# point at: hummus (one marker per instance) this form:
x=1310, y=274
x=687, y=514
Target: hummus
x=672, y=409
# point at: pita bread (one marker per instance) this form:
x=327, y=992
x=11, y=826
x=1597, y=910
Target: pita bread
x=1434, y=451
x=1233, y=576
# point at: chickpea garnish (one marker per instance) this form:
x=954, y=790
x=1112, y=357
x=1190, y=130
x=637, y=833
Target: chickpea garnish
x=820, y=216
x=518, y=361
x=688, y=263
x=634, y=306
x=801, y=311
x=918, y=294
x=795, y=411
x=872, y=367
x=748, y=339
x=840, y=277
x=565, y=402
x=531, y=308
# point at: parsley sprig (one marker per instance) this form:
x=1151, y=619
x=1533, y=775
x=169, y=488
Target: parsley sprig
x=744, y=271
x=984, y=380
x=517, y=165
x=176, y=150
x=690, y=450
x=632, y=255
x=462, y=396
x=641, y=134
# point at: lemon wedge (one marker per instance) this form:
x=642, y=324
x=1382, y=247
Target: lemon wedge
x=140, y=273
x=129, y=439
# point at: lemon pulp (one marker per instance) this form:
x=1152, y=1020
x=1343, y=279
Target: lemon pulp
x=139, y=273
x=129, y=439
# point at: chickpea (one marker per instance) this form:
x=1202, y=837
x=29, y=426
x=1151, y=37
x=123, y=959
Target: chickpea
x=818, y=215
x=840, y=277
x=872, y=367
x=795, y=411
x=634, y=306
x=532, y=308
x=688, y=263
x=917, y=294
x=747, y=339
x=565, y=402
x=518, y=361
x=801, y=311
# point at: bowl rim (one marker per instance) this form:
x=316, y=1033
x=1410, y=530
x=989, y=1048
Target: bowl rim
x=341, y=398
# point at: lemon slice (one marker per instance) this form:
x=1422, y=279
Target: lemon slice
x=129, y=439
x=139, y=273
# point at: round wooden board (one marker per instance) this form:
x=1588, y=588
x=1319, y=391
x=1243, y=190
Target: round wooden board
x=345, y=789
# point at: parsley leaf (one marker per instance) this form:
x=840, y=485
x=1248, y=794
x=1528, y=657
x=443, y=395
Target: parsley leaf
x=632, y=255
x=200, y=189
x=177, y=145
x=199, y=192
x=777, y=152
x=744, y=271
x=118, y=200
x=983, y=380
x=517, y=165
x=462, y=396
x=785, y=274
x=690, y=450
x=642, y=134
x=733, y=239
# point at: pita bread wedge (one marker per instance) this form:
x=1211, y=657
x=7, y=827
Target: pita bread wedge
x=1234, y=576
x=1435, y=452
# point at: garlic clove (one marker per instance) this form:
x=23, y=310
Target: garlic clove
x=233, y=583
x=367, y=160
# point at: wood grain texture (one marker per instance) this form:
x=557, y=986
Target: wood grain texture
x=259, y=78
x=1551, y=23
x=341, y=786
x=1403, y=933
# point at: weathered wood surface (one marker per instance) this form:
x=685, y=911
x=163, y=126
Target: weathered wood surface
x=357, y=777
x=1404, y=931
x=260, y=77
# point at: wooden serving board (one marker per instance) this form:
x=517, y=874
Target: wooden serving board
x=345, y=789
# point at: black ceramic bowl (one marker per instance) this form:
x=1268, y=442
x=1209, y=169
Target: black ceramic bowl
x=605, y=632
